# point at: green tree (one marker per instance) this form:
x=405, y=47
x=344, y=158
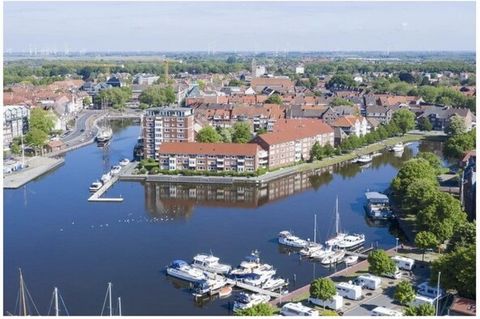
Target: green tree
x=208, y=135
x=322, y=288
x=41, y=120
x=380, y=263
x=424, y=124
x=404, y=292
x=433, y=160
x=36, y=138
x=241, y=133
x=201, y=84
x=458, y=270
x=341, y=80
x=329, y=313
x=328, y=150
x=411, y=170
x=463, y=235
x=338, y=101
x=87, y=101
x=263, y=309
x=274, y=99
x=421, y=310
x=425, y=240
x=457, y=145
x=235, y=82
x=316, y=152
x=261, y=131
x=404, y=119
x=115, y=97
x=418, y=195
x=157, y=96
x=226, y=134
x=456, y=126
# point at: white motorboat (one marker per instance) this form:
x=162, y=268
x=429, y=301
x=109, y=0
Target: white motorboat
x=225, y=291
x=288, y=239
x=244, y=300
x=104, y=134
x=115, y=170
x=208, y=286
x=182, y=270
x=322, y=253
x=364, y=159
x=124, y=162
x=350, y=260
x=334, y=257
x=255, y=279
x=95, y=186
x=311, y=249
x=106, y=177
x=274, y=283
x=351, y=241
x=210, y=263
x=252, y=265
x=399, y=147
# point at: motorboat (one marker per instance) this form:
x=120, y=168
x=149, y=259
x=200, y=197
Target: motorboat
x=322, y=253
x=245, y=300
x=124, y=162
x=309, y=250
x=208, y=286
x=225, y=291
x=104, y=134
x=364, y=159
x=95, y=186
x=335, y=239
x=378, y=206
x=399, y=147
x=106, y=177
x=115, y=170
x=274, y=283
x=334, y=257
x=351, y=241
x=210, y=263
x=255, y=279
x=182, y=270
x=288, y=239
x=252, y=265
x=350, y=260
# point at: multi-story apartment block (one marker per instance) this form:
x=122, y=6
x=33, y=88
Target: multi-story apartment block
x=166, y=125
x=15, y=122
x=209, y=157
x=291, y=141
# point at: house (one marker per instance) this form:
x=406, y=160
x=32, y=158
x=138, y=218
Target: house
x=54, y=146
x=380, y=113
x=440, y=116
x=145, y=79
x=462, y=307
x=15, y=123
x=351, y=124
x=468, y=185
x=115, y=82
x=292, y=139
x=280, y=84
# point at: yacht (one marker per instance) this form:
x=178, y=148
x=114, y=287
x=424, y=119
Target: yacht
x=210, y=263
x=312, y=248
x=124, y=162
x=252, y=265
x=274, y=284
x=106, y=177
x=182, y=270
x=334, y=257
x=364, y=159
x=350, y=260
x=208, y=286
x=104, y=134
x=288, y=239
x=115, y=170
x=399, y=147
x=351, y=241
x=322, y=253
x=255, y=279
x=95, y=186
x=378, y=206
x=245, y=300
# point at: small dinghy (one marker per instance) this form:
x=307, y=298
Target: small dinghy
x=350, y=260
x=225, y=291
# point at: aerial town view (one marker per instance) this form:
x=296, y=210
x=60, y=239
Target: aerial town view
x=239, y=158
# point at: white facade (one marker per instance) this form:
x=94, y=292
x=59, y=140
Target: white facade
x=260, y=71
x=15, y=122
x=299, y=70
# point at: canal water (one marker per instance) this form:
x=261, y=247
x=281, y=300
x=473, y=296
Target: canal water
x=61, y=240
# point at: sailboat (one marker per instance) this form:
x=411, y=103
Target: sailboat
x=105, y=132
x=25, y=300
x=312, y=247
x=108, y=297
x=332, y=242
x=56, y=297
x=344, y=240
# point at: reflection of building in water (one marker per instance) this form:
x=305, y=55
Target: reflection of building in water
x=178, y=200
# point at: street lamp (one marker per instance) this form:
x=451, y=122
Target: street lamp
x=396, y=245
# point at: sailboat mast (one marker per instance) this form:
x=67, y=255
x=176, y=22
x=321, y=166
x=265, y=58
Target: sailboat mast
x=23, y=305
x=110, y=298
x=336, y=217
x=119, y=306
x=57, y=310
x=315, y=229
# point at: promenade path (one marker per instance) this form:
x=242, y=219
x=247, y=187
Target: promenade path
x=36, y=167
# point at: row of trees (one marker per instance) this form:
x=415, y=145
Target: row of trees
x=156, y=96
x=239, y=133
x=114, y=97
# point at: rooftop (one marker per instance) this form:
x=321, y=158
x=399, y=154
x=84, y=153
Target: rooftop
x=209, y=148
x=293, y=129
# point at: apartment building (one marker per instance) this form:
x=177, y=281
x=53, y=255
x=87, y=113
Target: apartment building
x=166, y=125
x=15, y=122
x=291, y=141
x=209, y=157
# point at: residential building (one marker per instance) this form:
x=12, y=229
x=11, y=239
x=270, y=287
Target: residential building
x=300, y=69
x=15, y=122
x=209, y=157
x=281, y=85
x=115, y=82
x=166, y=124
x=379, y=113
x=440, y=116
x=145, y=79
x=468, y=185
x=351, y=124
x=291, y=141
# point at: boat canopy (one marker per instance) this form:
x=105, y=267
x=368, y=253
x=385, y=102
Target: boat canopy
x=178, y=263
x=376, y=197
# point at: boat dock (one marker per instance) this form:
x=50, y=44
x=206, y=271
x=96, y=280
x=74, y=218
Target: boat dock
x=253, y=288
x=96, y=197
x=361, y=254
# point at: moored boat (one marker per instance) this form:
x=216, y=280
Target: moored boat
x=208, y=286
x=274, y=283
x=245, y=300
x=182, y=270
x=363, y=159
x=225, y=291
x=115, y=170
x=124, y=162
x=106, y=177
x=210, y=263
x=350, y=260
x=104, y=134
x=399, y=147
x=334, y=257
x=95, y=186
x=351, y=241
x=288, y=239
x=378, y=206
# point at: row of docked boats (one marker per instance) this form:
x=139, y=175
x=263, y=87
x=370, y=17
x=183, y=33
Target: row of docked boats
x=367, y=158
x=115, y=170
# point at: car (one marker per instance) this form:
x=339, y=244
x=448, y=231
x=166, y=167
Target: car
x=82, y=130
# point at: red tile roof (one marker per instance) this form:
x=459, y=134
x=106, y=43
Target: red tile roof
x=209, y=149
x=464, y=306
x=347, y=121
x=293, y=129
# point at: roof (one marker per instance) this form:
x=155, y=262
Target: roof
x=347, y=121
x=376, y=196
x=464, y=306
x=209, y=148
x=57, y=143
x=293, y=129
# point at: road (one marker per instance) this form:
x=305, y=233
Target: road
x=83, y=124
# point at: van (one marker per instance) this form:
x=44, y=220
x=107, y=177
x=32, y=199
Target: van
x=382, y=311
x=297, y=309
x=421, y=300
x=425, y=289
x=404, y=262
x=334, y=303
x=368, y=281
x=349, y=291
x=395, y=275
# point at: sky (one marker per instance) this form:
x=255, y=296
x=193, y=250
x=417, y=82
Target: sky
x=234, y=26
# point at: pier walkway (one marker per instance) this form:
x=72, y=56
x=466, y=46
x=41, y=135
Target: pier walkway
x=253, y=288
x=96, y=197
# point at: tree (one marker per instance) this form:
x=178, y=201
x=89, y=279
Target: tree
x=263, y=309
x=411, y=170
x=425, y=240
x=458, y=270
x=274, y=99
x=404, y=119
x=241, y=133
x=404, y=292
x=41, y=120
x=87, y=101
x=328, y=150
x=433, y=160
x=338, y=101
x=323, y=289
x=261, y=131
x=424, y=124
x=312, y=82
x=455, y=126
x=201, y=85
x=463, y=235
x=208, y=135
x=380, y=263
x=235, y=82
x=115, y=97
x=406, y=77
x=422, y=310
x=36, y=138
x=341, y=80
x=418, y=195
x=329, y=313
x=457, y=145
x=157, y=96
x=316, y=152
x=226, y=134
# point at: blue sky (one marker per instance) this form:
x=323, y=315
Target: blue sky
x=272, y=26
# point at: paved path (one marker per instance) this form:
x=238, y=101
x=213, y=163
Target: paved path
x=37, y=166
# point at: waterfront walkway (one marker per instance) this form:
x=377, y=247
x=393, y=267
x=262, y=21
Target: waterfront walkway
x=36, y=166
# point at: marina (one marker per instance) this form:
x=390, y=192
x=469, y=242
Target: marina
x=155, y=221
